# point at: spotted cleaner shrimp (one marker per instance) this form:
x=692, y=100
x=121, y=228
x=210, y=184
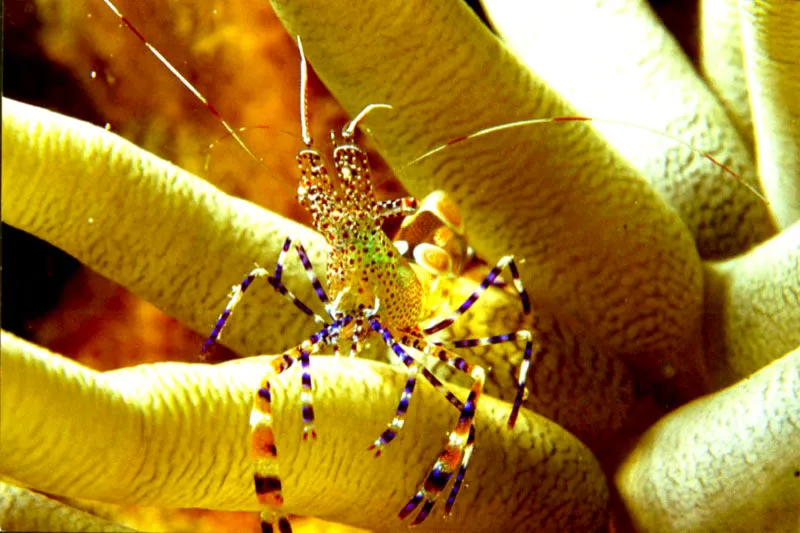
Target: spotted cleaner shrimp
x=374, y=289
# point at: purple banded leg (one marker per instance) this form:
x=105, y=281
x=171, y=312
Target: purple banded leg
x=414, y=368
x=522, y=380
x=524, y=367
x=283, y=291
x=487, y=282
x=439, y=386
x=282, y=259
x=312, y=276
x=409, y=361
x=408, y=339
x=277, y=284
x=408, y=391
x=312, y=345
x=233, y=301
x=458, y=450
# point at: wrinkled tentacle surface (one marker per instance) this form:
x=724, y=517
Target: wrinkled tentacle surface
x=726, y=462
x=176, y=435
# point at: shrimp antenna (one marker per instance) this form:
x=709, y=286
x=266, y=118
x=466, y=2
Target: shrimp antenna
x=530, y=122
x=164, y=61
x=304, y=128
x=349, y=129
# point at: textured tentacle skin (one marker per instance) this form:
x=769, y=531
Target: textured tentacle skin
x=24, y=510
x=724, y=217
x=139, y=212
x=721, y=61
x=176, y=435
x=771, y=42
x=727, y=462
x=753, y=308
x=547, y=178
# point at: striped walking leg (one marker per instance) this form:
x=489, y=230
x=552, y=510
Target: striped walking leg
x=275, y=282
x=524, y=367
x=526, y=335
x=312, y=276
x=233, y=301
x=506, y=261
x=263, y=450
x=461, y=440
x=414, y=368
x=405, y=399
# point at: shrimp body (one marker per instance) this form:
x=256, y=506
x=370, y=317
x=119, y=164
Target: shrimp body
x=365, y=270
x=374, y=290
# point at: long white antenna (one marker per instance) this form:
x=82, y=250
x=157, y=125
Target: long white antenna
x=303, y=95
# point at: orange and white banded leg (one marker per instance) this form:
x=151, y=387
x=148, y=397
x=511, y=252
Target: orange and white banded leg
x=263, y=450
x=461, y=439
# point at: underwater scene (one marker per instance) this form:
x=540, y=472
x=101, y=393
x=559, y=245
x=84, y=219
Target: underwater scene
x=457, y=266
